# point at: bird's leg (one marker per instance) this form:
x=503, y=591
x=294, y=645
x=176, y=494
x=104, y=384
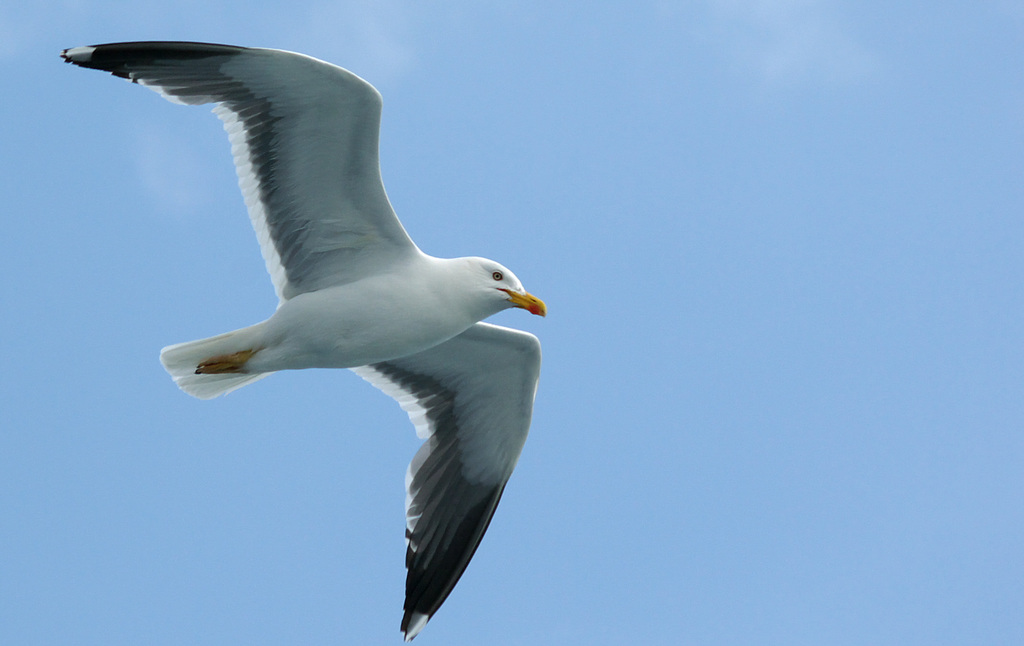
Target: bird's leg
x=224, y=363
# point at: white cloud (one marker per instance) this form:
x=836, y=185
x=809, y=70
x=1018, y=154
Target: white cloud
x=787, y=41
x=175, y=174
x=18, y=25
x=372, y=37
x=24, y=25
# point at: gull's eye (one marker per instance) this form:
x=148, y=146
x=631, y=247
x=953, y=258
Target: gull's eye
x=497, y=275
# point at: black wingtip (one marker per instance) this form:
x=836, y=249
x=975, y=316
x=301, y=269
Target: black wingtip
x=77, y=55
x=412, y=624
x=121, y=59
x=427, y=585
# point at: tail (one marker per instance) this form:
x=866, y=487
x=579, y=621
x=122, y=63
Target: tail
x=183, y=360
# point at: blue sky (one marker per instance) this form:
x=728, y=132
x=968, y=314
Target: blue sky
x=781, y=402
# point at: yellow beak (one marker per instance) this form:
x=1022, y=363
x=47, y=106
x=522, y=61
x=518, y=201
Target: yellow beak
x=532, y=304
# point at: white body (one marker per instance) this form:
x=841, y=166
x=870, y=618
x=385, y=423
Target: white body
x=346, y=327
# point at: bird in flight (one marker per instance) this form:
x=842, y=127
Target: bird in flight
x=353, y=289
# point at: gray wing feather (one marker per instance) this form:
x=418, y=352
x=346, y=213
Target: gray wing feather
x=304, y=135
x=471, y=398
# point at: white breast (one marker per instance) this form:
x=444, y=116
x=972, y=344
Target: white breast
x=351, y=325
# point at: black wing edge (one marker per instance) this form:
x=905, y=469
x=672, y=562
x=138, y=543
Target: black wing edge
x=120, y=58
x=444, y=545
x=425, y=590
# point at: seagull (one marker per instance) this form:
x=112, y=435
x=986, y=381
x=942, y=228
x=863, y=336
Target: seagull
x=353, y=289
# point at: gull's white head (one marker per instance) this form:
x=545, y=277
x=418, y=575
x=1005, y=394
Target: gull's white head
x=502, y=287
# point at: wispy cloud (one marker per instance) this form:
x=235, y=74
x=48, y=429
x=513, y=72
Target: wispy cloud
x=787, y=41
x=177, y=176
x=23, y=24
x=373, y=37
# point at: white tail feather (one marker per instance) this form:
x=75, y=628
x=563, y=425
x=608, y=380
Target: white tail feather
x=182, y=359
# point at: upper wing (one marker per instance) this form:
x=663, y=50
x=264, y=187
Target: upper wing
x=471, y=398
x=304, y=136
